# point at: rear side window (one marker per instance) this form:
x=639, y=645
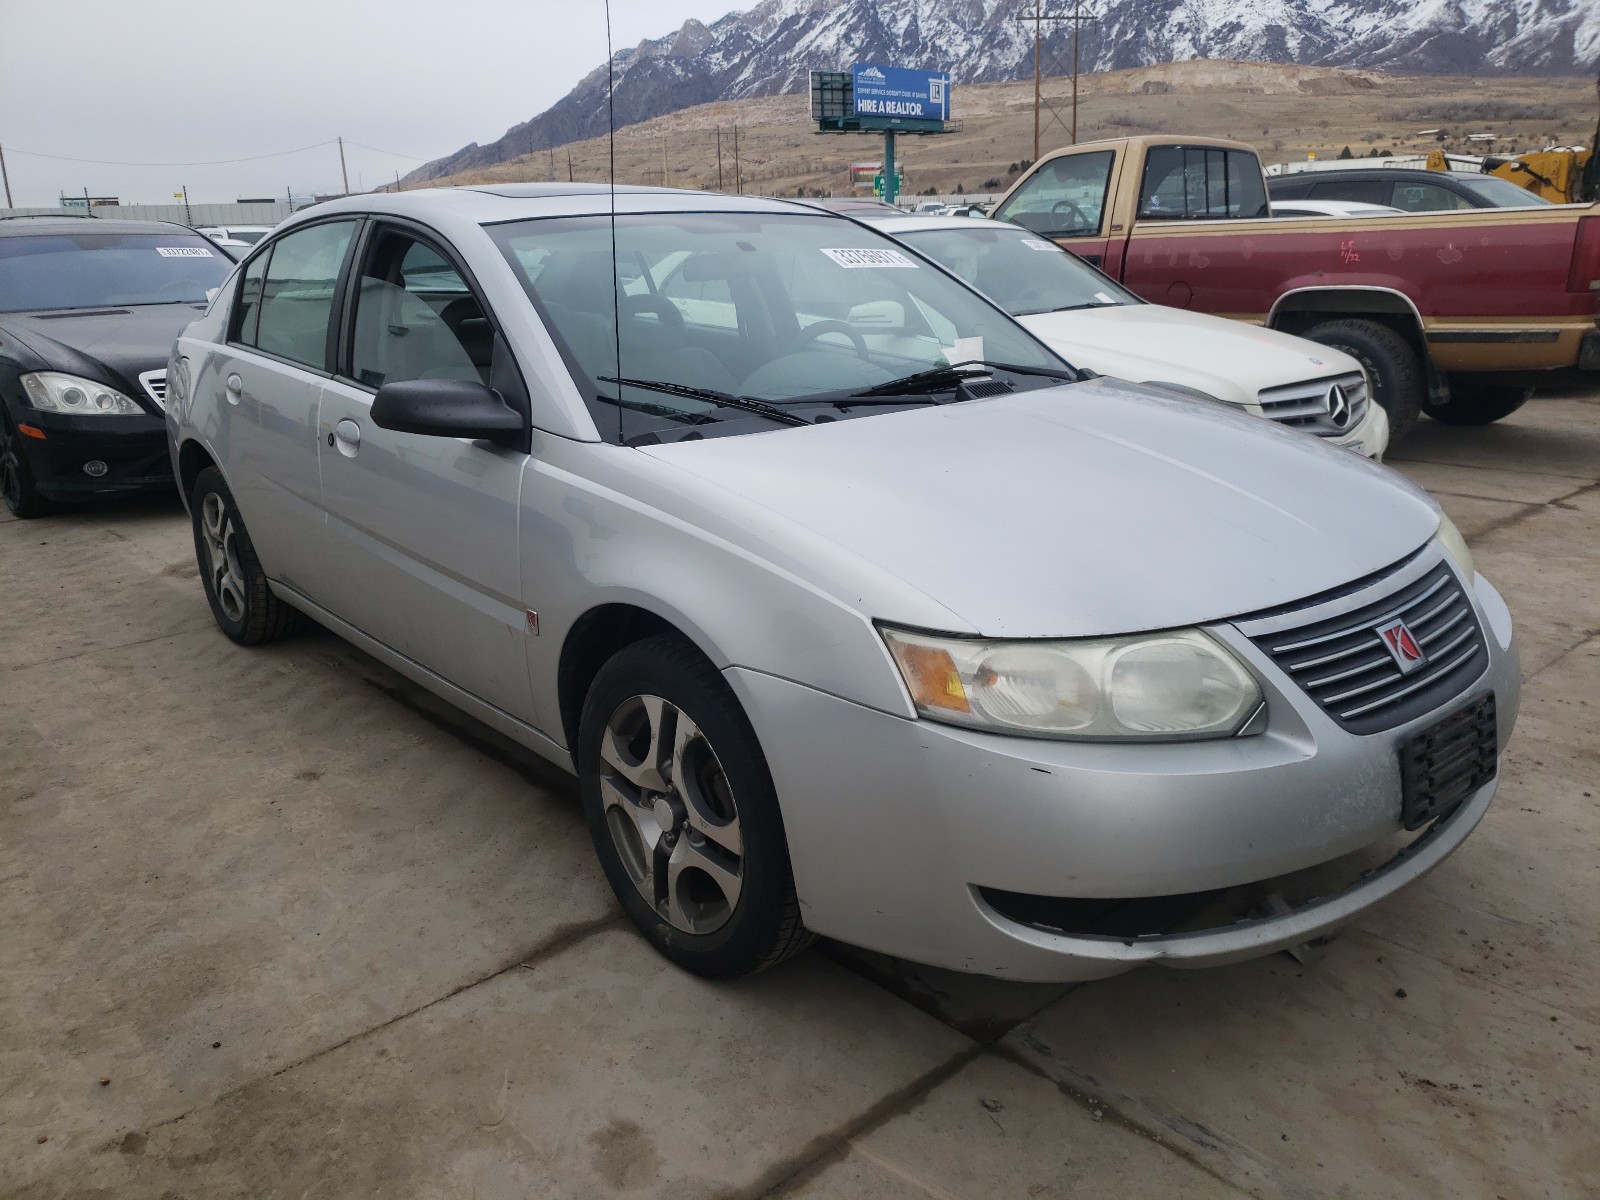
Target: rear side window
x=1189, y=183
x=297, y=292
x=1364, y=191
x=1064, y=198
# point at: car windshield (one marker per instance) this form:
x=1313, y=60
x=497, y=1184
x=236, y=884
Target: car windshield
x=1023, y=272
x=793, y=309
x=1502, y=193
x=107, y=270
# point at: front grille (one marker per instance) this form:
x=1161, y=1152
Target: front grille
x=1445, y=763
x=1342, y=662
x=155, y=386
x=1306, y=406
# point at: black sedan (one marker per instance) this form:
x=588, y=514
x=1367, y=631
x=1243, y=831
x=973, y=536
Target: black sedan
x=89, y=310
x=1408, y=189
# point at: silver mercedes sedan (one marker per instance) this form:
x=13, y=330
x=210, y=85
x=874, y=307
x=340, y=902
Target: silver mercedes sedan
x=856, y=611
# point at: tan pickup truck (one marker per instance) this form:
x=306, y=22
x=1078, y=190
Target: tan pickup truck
x=1455, y=314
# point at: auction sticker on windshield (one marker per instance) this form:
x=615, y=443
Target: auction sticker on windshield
x=869, y=258
x=183, y=252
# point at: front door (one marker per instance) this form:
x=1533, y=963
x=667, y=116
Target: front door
x=1065, y=199
x=423, y=530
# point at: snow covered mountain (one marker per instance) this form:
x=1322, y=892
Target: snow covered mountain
x=772, y=48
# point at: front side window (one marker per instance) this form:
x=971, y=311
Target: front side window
x=1363, y=191
x=1500, y=193
x=1023, y=273
x=297, y=293
x=787, y=309
x=1065, y=197
x=416, y=318
x=1188, y=183
x=107, y=270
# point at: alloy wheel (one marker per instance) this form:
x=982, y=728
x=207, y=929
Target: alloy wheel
x=222, y=548
x=671, y=814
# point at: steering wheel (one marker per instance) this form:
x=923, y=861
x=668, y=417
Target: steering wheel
x=671, y=316
x=1080, y=219
x=817, y=328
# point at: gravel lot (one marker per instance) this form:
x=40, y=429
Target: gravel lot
x=277, y=924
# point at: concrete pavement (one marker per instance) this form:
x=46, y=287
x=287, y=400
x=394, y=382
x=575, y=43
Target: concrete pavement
x=320, y=937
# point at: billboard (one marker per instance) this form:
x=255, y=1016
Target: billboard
x=896, y=92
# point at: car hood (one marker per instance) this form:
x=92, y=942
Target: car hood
x=111, y=345
x=1088, y=509
x=1152, y=343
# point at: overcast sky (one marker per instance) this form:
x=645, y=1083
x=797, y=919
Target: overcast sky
x=185, y=81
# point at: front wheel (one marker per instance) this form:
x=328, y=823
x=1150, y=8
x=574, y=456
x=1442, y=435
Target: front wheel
x=683, y=813
x=17, y=487
x=1478, y=403
x=1398, y=381
x=235, y=585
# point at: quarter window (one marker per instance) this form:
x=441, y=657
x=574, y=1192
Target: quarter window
x=1201, y=183
x=1064, y=198
x=416, y=318
x=297, y=291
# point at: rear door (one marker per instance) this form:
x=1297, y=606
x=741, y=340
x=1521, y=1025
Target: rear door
x=423, y=530
x=268, y=377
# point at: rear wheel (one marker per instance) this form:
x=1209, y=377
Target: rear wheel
x=683, y=813
x=236, y=587
x=17, y=487
x=1478, y=403
x=1398, y=382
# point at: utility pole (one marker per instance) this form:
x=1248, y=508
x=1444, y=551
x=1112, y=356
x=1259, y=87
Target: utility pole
x=343, y=171
x=1038, y=16
x=4, y=176
x=552, y=164
x=663, y=159
x=738, y=178
x=188, y=218
x=719, y=160
x=569, y=166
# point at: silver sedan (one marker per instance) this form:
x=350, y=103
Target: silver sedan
x=856, y=611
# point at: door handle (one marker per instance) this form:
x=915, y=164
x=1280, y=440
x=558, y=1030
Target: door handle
x=346, y=437
x=235, y=389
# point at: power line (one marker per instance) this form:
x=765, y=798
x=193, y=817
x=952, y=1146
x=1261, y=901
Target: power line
x=216, y=162
x=390, y=153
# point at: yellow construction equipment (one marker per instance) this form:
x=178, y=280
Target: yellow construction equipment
x=1561, y=176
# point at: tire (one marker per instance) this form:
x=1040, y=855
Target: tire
x=17, y=486
x=683, y=814
x=235, y=585
x=1398, y=380
x=1478, y=403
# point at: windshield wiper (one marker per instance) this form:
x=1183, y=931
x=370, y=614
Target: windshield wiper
x=661, y=410
x=949, y=377
x=710, y=396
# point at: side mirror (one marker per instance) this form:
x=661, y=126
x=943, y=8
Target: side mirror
x=448, y=408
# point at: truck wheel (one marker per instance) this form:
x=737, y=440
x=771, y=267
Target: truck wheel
x=1397, y=377
x=1478, y=403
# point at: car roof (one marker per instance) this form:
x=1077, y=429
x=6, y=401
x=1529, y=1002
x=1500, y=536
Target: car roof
x=892, y=223
x=26, y=225
x=494, y=203
x=1349, y=173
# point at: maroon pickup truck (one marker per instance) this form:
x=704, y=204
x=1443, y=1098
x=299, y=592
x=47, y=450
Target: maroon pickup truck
x=1455, y=314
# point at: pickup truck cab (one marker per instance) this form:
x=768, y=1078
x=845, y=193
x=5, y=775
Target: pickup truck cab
x=1455, y=314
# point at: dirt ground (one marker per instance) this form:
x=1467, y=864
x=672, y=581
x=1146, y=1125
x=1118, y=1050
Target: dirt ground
x=1286, y=112
x=274, y=924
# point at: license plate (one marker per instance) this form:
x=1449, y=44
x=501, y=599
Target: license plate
x=1445, y=763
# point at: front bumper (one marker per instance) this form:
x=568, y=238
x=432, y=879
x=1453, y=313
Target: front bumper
x=133, y=450
x=896, y=827
x=1370, y=437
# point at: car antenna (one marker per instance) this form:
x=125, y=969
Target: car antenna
x=611, y=151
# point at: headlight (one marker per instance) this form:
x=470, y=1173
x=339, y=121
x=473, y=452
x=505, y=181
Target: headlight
x=1177, y=686
x=51, y=391
x=1455, y=545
